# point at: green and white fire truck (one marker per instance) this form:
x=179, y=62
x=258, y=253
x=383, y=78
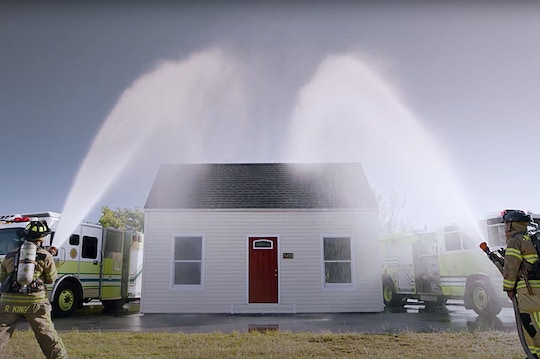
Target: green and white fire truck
x=434, y=267
x=94, y=263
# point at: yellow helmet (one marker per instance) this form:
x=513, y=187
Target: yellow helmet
x=36, y=229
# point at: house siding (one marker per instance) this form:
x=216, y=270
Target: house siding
x=225, y=282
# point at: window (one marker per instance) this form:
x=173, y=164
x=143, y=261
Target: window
x=90, y=247
x=187, y=261
x=74, y=240
x=113, y=248
x=496, y=236
x=452, y=241
x=113, y=242
x=263, y=244
x=9, y=239
x=337, y=261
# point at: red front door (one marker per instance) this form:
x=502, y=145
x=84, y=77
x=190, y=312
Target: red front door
x=263, y=270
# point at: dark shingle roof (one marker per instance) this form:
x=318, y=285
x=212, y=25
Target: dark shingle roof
x=261, y=185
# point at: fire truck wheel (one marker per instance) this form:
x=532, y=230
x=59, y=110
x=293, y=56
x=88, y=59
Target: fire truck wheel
x=484, y=304
x=391, y=298
x=66, y=300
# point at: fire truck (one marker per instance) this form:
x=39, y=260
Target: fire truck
x=433, y=267
x=94, y=263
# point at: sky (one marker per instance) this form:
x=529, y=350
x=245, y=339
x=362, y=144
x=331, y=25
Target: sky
x=440, y=102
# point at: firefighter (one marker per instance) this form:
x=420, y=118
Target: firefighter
x=520, y=277
x=29, y=300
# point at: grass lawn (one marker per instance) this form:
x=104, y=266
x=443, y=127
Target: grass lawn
x=274, y=344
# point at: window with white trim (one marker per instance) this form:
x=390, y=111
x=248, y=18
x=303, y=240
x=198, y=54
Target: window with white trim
x=263, y=244
x=337, y=261
x=187, y=261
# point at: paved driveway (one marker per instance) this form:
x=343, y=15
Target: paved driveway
x=413, y=318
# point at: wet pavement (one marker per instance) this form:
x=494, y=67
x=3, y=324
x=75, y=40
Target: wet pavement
x=414, y=317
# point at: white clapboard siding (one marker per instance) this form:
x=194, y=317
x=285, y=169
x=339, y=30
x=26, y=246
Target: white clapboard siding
x=225, y=262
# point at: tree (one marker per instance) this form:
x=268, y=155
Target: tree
x=122, y=218
x=390, y=220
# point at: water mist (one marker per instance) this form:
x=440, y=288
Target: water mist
x=161, y=117
x=195, y=111
x=348, y=113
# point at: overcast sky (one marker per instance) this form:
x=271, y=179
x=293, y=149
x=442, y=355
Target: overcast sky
x=453, y=89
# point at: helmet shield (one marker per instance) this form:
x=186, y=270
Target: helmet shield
x=36, y=230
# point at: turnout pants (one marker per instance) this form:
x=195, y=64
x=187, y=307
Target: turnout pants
x=531, y=329
x=38, y=316
x=529, y=308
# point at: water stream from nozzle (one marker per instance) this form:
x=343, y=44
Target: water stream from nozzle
x=349, y=113
x=161, y=117
x=193, y=110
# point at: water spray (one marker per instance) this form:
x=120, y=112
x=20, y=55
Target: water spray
x=173, y=106
x=349, y=113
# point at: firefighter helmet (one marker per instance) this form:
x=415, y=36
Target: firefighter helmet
x=36, y=229
x=516, y=215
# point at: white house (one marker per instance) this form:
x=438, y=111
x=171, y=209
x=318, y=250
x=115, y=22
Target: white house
x=261, y=238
